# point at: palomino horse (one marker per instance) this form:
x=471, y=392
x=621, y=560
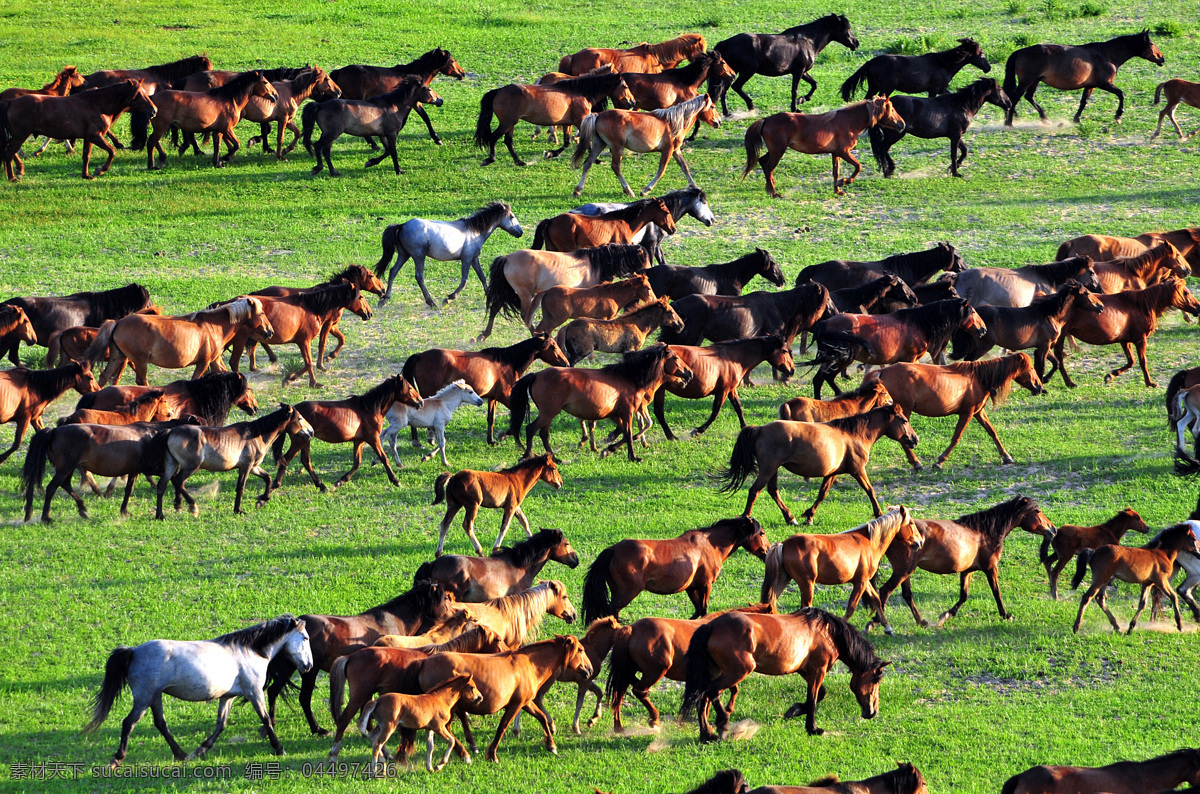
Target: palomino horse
x=904, y=779
x=672, y=86
x=1146, y=269
x=1178, y=91
x=469, y=490
x=1129, y=319
x=794, y=51
x=915, y=268
x=580, y=339
x=26, y=393
x=457, y=625
x=290, y=95
x=49, y=315
x=154, y=78
x=846, y=557
x=507, y=571
x=689, y=563
x=87, y=115
x=177, y=342
x=644, y=58
x=725, y=278
x=810, y=449
x=915, y=74
x=570, y=231
x=444, y=241
x=617, y=391
x=150, y=407
x=718, y=371
x=1071, y=539
x=659, y=131
x=691, y=201
x=1018, y=286
x=849, y=403
x=356, y=420
x=835, y=133
x=241, y=446
x=962, y=389
x=1164, y=773
x=516, y=618
x=226, y=667
x=363, y=82
x=967, y=544
x=601, y=302
x=217, y=111
x=1103, y=247
x=491, y=372
x=208, y=398
x=433, y=413
x=808, y=641
x=431, y=712
x=1067, y=68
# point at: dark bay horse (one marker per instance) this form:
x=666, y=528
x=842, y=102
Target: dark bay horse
x=154, y=78
x=794, y=51
x=722, y=318
x=904, y=779
x=26, y=393
x=209, y=398
x=689, y=563
x=915, y=74
x=1070, y=539
x=915, y=268
x=363, y=82
x=1164, y=773
x=1067, y=68
x=726, y=278
x=508, y=570
x=883, y=295
x=51, y=314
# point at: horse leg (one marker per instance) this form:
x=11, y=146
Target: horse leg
x=265, y=476
x=534, y=707
x=390, y=144
x=878, y=604
x=1061, y=357
x=243, y=475
x=509, y=512
x=1146, y=588
x=956, y=144
x=907, y=594
x=699, y=593
x=964, y=588
x=861, y=478
x=377, y=448
x=508, y=141
x=510, y=713
x=356, y=462
x=826, y=485
x=964, y=419
x=129, y=481
x=1088, y=595
x=1102, y=600
x=452, y=508
x=1112, y=89
x=993, y=577
x=718, y=403
x=617, y=150
x=1140, y=345
x=597, y=146
x=1128, y=348
x=982, y=418
x=768, y=162
x=491, y=422
x=1029, y=96
x=419, y=265
x=223, y=707
x=1087, y=94
x=160, y=722
x=135, y=714
x=738, y=82
x=22, y=426
x=467, y=261
x=420, y=109
x=1059, y=564
x=470, y=510
x=662, y=169
x=812, y=89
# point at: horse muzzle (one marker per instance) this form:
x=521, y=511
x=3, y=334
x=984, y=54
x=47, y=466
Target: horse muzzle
x=307, y=667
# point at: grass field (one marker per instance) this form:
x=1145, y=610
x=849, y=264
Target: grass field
x=970, y=704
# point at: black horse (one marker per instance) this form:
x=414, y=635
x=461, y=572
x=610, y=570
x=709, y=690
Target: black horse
x=884, y=295
x=773, y=54
x=946, y=116
x=932, y=291
x=728, y=278
x=721, y=318
x=82, y=308
x=915, y=268
x=915, y=74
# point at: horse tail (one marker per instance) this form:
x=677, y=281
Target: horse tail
x=364, y=721
x=409, y=370
x=743, y=461
x=596, y=603
x=1173, y=388
x=539, y=234
x=439, y=487
x=518, y=406
x=776, y=578
x=99, y=348
x=116, y=670
x=696, y=680
x=389, y=250
x=1081, y=567
x=587, y=131
x=34, y=469
x=1010, y=77
x=878, y=149
x=483, y=125
x=535, y=303
x=754, y=141
x=5, y=131
x=1158, y=93
x=337, y=686
x=856, y=80
x=501, y=297
x=621, y=669
x=308, y=119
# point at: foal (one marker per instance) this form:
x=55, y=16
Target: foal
x=1177, y=91
x=581, y=338
x=434, y=413
x=431, y=711
x=1072, y=539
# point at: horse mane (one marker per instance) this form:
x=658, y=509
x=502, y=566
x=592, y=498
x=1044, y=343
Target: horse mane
x=995, y=375
x=435, y=59
x=630, y=211
x=689, y=72
x=286, y=73
x=468, y=642
x=1160, y=540
x=1132, y=264
x=260, y=636
x=972, y=95
x=938, y=319
x=852, y=647
x=486, y=218
x=61, y=78
x=657, y=305
x=862, y=391
x=878, y=528
x=130, y=408
x=1151, y=299
x=679, y=200
x=421, y=595
x=325, y=299
x=995, y=521
x=447, y=389
x=857, y=424
x=46, y=384
x=827, y=21
x=255, y=428
x=727, y=781
x=346, y=274
x=374, y=399
x=1056, y=272
x=402, y=94
x=614, y=260
x=905, y=777
x=639, y=367
x=960, y=52
x=518, y=356
x=608, y=621
x=912, y=265
x=177, y=70
x=305, y=79
x=524, y=611
x=112, y=304
x=239, y=308
x=236, y=87
x=213, y=395
x=678, y=47
x=589, y=85
x=677, y=116
x=1053, y=303
x=523, y=553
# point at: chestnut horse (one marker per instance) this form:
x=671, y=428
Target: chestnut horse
x=810, y=449
x=431, y=712
x=154, y=78
x=846, y=557
x=290, y=95
x=835, y=133
x=672, y=86
x=69, y=79
x=26, y=393
x=597, y=641
x=1177, y=91
x=644, y=58
x=1104, y=247
x=688, y=563
x=149, y=407
x=1164, y=773
x=570, y=231
x=1071, y=539
x=580, y=339
x=848, y=403
x=507, y=571
x=16, y=327
x=363, y=82
x=49, y=315
x=601, y=302
x=1146, y=269
x=208, y=398
x=71, y=344
x=807, y=641
x=217, y=111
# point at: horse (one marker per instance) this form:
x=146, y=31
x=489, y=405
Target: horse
x=290, y=94
x=915, y=268
x=1189, y=562
x=355, y=420
x=945, y=116
x=659, y=131
x=905, y=779
x=939, y=290
x=849, y=403
x=225, y=667
x=26, y=393
x=259, y=109
x=383, y=116
x=444, y=241
x=884, y=295
x=468, y=490
x=689, y=201
x=807, y=641
x=432, y=412
x=915, y=74
x=1067, y=68
x=581, y=338
x=721, y=318
x=506, y=571
x=835, y=133
x=514, y=279
x=431, y=711
x=1177, y=91
x=71, y=344
x=153, y=78
x=1103, y=247
x=87, y=115
x=1071, y=539
x=967, y=544
x=644, y=58
x=491, y=372
x=616, y=391
x=216, y=111
x=1187, y=417
x=208, y=398
x=846, y=557
x=1146, y=269
x=1166, y=772
x=656, y=91
x=149, y=407
x=176, y=342
x=51, y=314
x=515, y=618
x=794, y=51
x=16, y=327
x=1129, y=319
x=1018, y=286
x=601, y=302
x=688, y=563
x=570, y=231
x=63, y=84
x=725, y=278
x=565, y=103
x=718, y=371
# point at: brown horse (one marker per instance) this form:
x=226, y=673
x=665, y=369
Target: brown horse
x=16, y=327
x=26, y=393
x=617, y=392
x=490, y=372
x=905, y=779
x=1067, y=68
x=67, y=81
x=1150, y=566
x=850, y=403
x=810, y=449
x=1129, y=319
x=176, y=342
x=289, y=96
x=601, y=302
x=1178, y=91
x=469, y=490
x=689, y=563
x=656, y=91
x=1103, y=247
x=1146, y=269
x=50, y=314
x=967, y=544
x=431, y=711
x=154, y=78
x=571, y=231
x=149, y=407
x=71, y=344
x=209, y=398
x=507, y=571
x=1164, y=773
x=597, y=641
x=962, y=389
x=216, y=111
x=644, y=58
x=847, y=557
x=87, y=115
x=808, y=641
x=1071, y=539
x=356, y=420
x=580, y=339
x=835, y=133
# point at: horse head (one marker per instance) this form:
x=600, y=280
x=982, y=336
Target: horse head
x=562, y=552
x=699, y=208
x=297, y=425
x=509, y=222
x=660, y=214
x=560, y=605
x=465, y=686
x=708, y=113
x=720, y=70
x=450, y=67
x=574, y=655
x=1182, y=298
x=71, y=78
x=768, y=268
x=1084, y=298
x=994, y=93
x=84, y=383
x=677, y=373
x=324, y=88
x=426, y=96
x=551, y=476
x=1027, y=376
x=250, y=310
x=1130, y=520
x=245, y=401
x=752, y=537
x=900, y=291
x=843, y=34
x=1175, y=262
x=263, y=88
x=898, y=428
x=884, y=114
x=1033, y=520
x=359, y=305
x=865, y=686
x=975, y=55
x=671, y=321
x=971, y=321
x=1150, y=50
x=465, y=393
x=298, y=648
x=22, y=326
x=141, y=101
x=551, y=353
x=621, y=96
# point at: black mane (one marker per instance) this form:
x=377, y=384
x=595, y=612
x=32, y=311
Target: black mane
x=519, y=356
x=213, y=395
x=1057, y=272
x=857, y=423
x=938, y=319
x=345, y=274
x=112, y=304
x=402, y=95
x=256, y=428
x=261, y=636
x=997, y=521
x=326, y=299
x=47, y=384
x=590, y=85
x=485, y=219
x=421, y=597
x=727, y=781
x=176, y=70
x=614, y=261
x=630, y=211
x=431, y=62
x=374, y=400
x=917, y=266
x=237, y=87
x=639, y=367
x=678, y=201
x=853, y=648
x=523, y=553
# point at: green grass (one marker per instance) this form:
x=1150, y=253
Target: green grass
x=970, y=704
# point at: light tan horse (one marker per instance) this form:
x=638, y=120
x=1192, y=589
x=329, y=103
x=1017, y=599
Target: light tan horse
x=601, y=302
x=644, y=58
x=458, y=623
x=431, y=712
x=1153, y=266
x=1177, y=91
x=516, y=618
x=196, y=339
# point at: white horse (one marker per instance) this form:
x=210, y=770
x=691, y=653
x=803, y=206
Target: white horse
x=689, y=201
x=229, y=666
x=1187, y=417
x=444, y=241
x=434, y=414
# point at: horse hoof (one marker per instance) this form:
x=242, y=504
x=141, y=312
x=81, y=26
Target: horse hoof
x=490, y=160
x=1007, y=461
x=816, y=732
x=794, y=711
x=888, y=631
